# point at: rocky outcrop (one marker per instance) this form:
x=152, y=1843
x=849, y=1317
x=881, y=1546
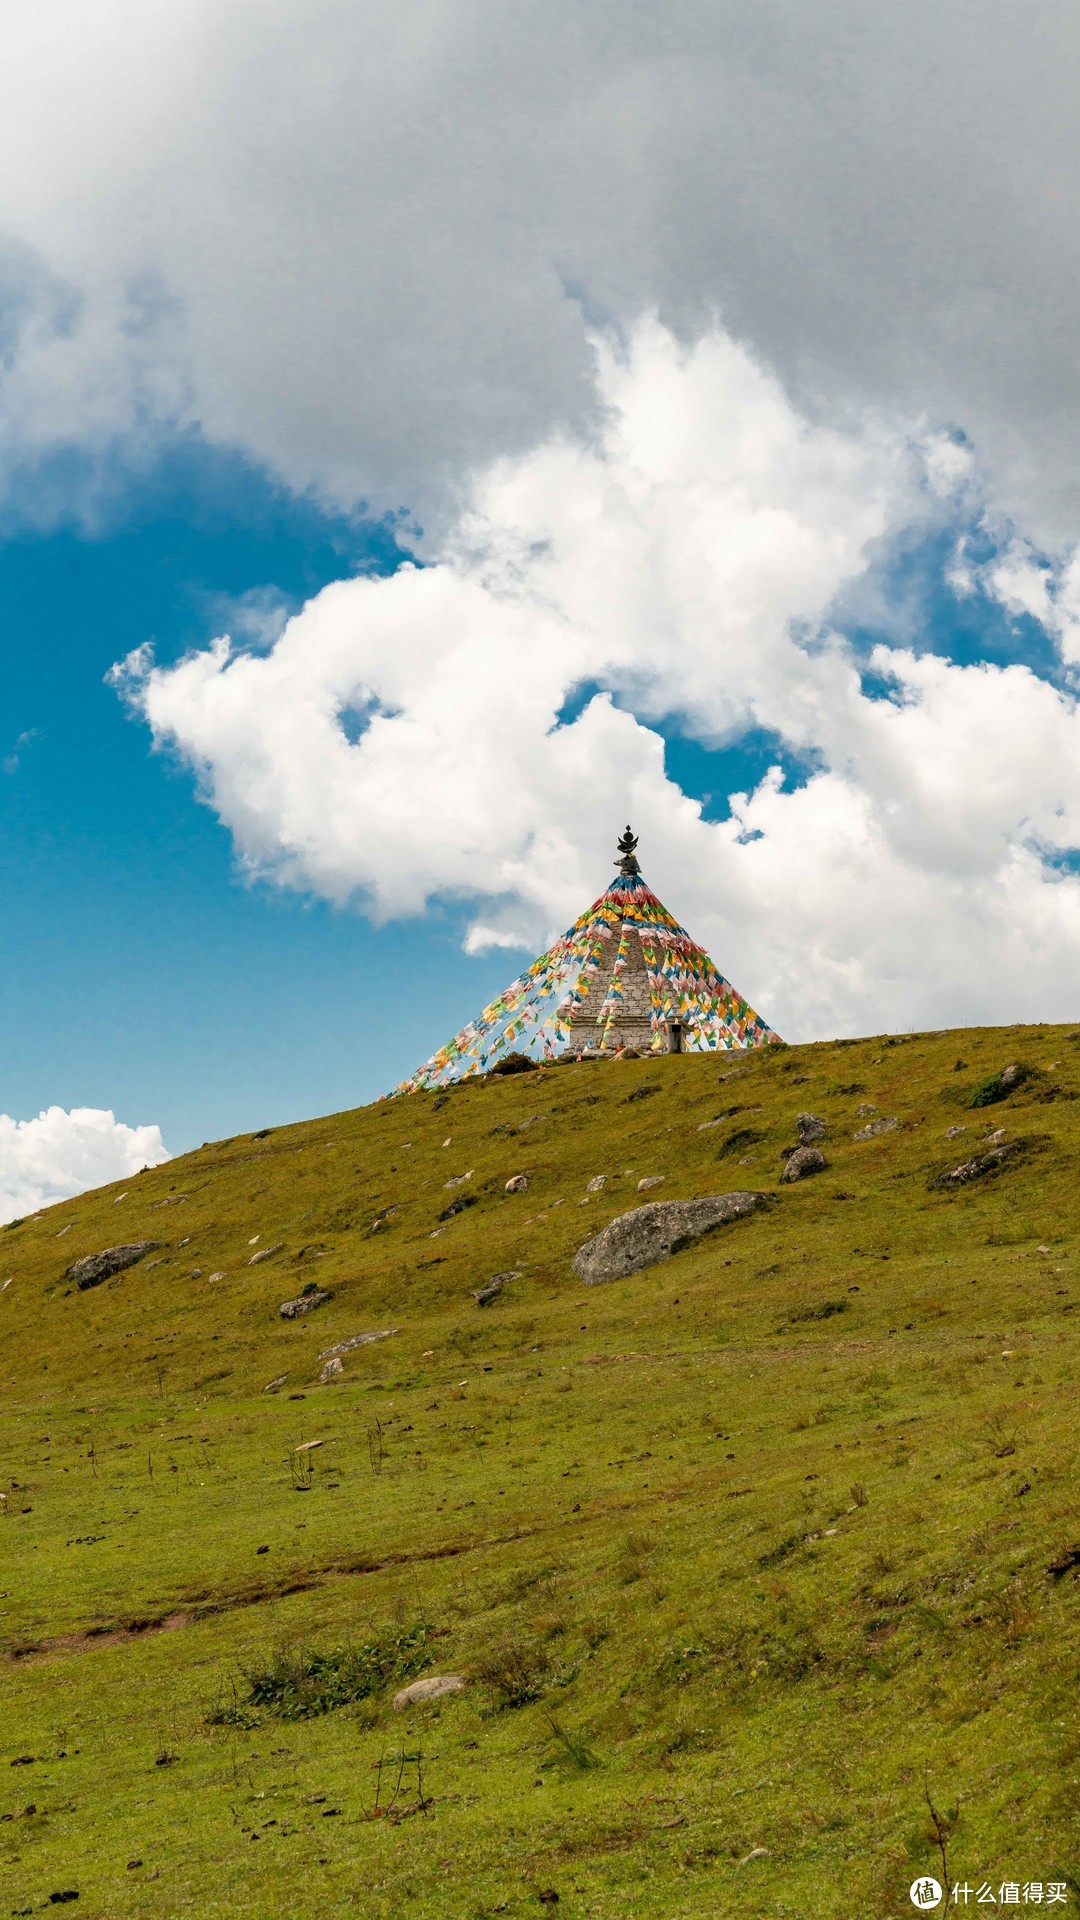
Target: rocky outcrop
x=93, y=1268
x=292, y=1309
x=803, y=1161
x=492, y=1288
x=980, y=1164
x=656, y=1231
x=357, y=1340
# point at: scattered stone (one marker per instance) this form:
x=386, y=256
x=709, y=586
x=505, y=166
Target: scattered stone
x=973, y=1169
x=196, y=1273
x=186, y=1241
x=650, y=1180
x=518, y=1184
x=488, y=1292
x=803, y=1161
x=291, y=1309
x=810, y=1127
x=864, y=1106
x=333, y=1369
x=216, y=1276
x=885, y=1123
x=172, y=1200
x=458, y=1179
x=273, y=1385
x=96, y=1267
x=358, y=1340
x=755, y=1853
x=598, y=1181
x=656, y=1231
x=266, y=1253
x=951, y=1132
x=994, y=1139
x=459, y=1205
x=704, y=1125
x=66, y=1229
x=255, y=1238
x=433, y=1688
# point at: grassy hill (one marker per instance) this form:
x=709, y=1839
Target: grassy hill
x=747, y=1558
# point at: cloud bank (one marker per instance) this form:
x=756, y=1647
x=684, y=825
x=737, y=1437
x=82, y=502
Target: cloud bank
x=60, y=1154
x=480, y=726
x=358, y=242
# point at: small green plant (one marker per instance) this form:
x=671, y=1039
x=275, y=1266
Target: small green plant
x=998, y=1086
x=514, y=1671
x=302, y=1682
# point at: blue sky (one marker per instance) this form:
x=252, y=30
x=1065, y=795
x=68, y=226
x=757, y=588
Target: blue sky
x=141, y=971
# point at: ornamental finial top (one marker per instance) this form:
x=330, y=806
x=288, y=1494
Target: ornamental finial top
x=626, y=845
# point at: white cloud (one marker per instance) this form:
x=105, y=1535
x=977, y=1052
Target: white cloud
x=356, y=241
x=60, y=1154
x=685, y=557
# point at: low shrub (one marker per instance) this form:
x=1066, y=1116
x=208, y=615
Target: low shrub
x=299, y=1683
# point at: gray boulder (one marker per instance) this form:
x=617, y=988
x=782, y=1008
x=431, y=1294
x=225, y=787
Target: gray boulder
x=810, y=1127
x=96, y=1267
x=804, y=1160
x=885, y=1123
x=656, y=1231
x=433, y=1688
x=291, y=1309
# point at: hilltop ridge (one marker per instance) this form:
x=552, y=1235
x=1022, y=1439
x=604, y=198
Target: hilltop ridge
x=736, y=1555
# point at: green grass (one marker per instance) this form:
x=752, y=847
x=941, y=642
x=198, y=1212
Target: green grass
x=739, y=1553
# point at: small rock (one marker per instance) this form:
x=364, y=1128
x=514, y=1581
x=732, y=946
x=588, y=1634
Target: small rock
x=518, y=1184
x=755, y=1853
x=951, y=1132
x=357, y=1340
x=172, y=1200
x=650, y=1180
x=810, y=1127
x=803, y=1161
x=598, y=1181
x=458, y=1179
x=1012, y=1076
x=487, y=1293
x=333, y=1369
x=273, y=1385
x=704, y=1125
x=865, y=1106
x=290, y=1309
x=266, y=1253
x=96, y=1267
x=884, y=1124
x=216, y=1276
x=655, y=1231
x=433, y=1688
x=196, y=1273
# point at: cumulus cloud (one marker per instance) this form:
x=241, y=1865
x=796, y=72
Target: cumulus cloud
x=63, y=1153
x=358, y=241
x=478, y=726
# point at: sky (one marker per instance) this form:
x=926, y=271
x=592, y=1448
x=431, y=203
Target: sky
x=431, y=437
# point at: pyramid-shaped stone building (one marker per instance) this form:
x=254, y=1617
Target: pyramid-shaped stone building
x=626, y=978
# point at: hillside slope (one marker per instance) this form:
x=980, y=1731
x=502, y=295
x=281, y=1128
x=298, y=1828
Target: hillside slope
x=740, y=1556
